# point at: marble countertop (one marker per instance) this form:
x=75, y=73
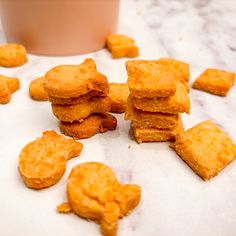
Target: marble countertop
x=175, y=201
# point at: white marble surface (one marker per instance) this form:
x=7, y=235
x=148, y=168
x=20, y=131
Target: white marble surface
x=175, y=202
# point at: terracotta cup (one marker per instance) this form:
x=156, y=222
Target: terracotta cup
x=59, y=27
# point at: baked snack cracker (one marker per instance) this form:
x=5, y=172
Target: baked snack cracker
x=147, y=119
x=121, y=46
x=94, y=193
x=95, y=123
x=76, y=100
x=205, y=148
x=70, y=81
x=42, y=162
x=12, y=55
x=156, y=135
x=37, y=91
x=69, y=113
x=177, y=103
x=5, y=94
x=8, y=85
x=215, y=81
x=118, y=94
x=180, y=69
x=147, y=79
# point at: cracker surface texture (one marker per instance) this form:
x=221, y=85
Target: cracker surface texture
x=94, y=193
x=95, y=123
x=42, y=162
x=180, y=69
x=205, y=148
x=118, y=94
x=37, y=91
x=12, y=55
x=147, y=119
x=178, y=103
x=69, y=113
x=121, y=46
x=155, y=134
x=215, y=81
x=8, y=85
x=147, y=79
x=70, y=81
x=77, y=100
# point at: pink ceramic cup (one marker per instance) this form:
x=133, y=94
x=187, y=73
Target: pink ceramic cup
x=59, y=27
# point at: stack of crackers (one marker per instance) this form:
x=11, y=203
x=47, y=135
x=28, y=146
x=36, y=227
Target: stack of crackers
x=158, y=94
x=78, y=94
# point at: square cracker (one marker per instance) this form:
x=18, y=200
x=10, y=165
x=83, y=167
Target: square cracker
x=180, y=69
x=147, y=119
x=215, y=81
x=118, y=94
x=147, y=79
x=205, y=148
x=121, y=46
x=177, y=103
x=156, y=135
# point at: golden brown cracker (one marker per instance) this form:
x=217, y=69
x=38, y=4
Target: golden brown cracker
x=12, y=55
x=156, y=135
x=70, y=81
x=205, y=148
x=215, y=81
x=94, y=193
x=42, y=162
x=118, y=94
x=69, y=113
x=8, y=85
x=5, y=94
x=13, y=84
x=147, y=119
x=37, y=91
x=121, y=46
x=180, y=69
x=76, y=100
x=147, y=79
x=95, y=123
x=177, y=103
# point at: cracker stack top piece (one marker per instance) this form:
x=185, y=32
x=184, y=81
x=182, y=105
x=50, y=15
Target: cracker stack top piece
x=73, y=81
x=148, y=79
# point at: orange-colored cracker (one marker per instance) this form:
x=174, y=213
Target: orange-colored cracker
x=95, y=123
x=205, y=148
x=215, y=81
x=147, y=119
x=118, y=94
x=148, y=79
x=12, y=55
x=76, y=100
x=70, y=81
x=5, y=94
x=94, y=193
x=69, y=113
x=180, y=69
x=177, y=103
x=8, y=86
x=37, y=91
x=42, y=162
x=121, y=46
x=156, y=135
x=64, y=208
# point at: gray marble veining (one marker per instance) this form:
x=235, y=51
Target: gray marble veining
x=175, y=202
